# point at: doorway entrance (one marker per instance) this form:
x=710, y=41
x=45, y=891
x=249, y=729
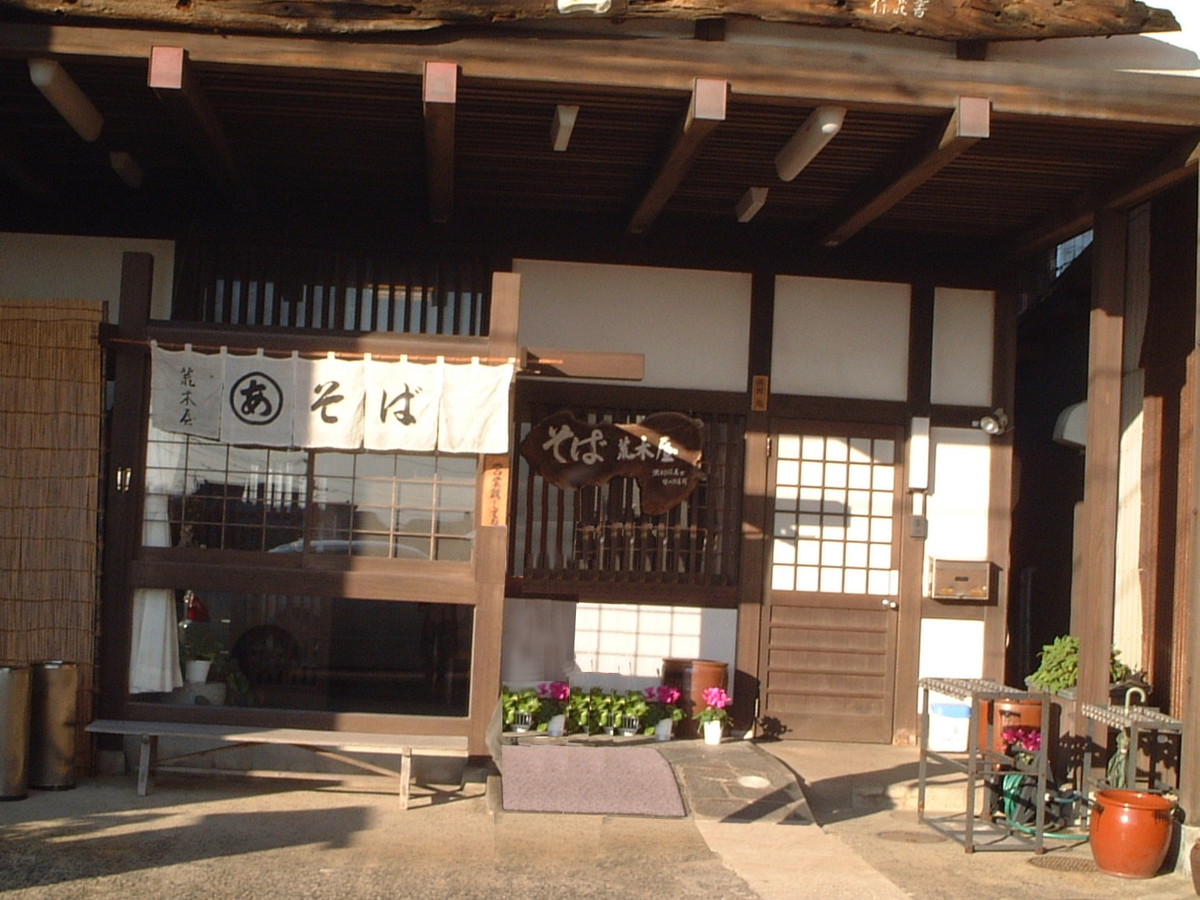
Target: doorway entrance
x=830, y=623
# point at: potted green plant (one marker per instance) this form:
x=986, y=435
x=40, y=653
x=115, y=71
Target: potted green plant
x=199, y=649
x=519, y=708
x=633, y=709
x=1058, y=669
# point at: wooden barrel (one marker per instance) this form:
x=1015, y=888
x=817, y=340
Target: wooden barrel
x=692, y=677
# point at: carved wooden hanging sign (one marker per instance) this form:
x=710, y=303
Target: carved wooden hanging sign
x=954, y=20
x=663, y=452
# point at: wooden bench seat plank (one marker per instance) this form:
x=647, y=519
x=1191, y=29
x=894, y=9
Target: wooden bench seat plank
x=323, y=743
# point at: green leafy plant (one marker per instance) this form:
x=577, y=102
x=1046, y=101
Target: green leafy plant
x=1059, y=667
x=525, y=701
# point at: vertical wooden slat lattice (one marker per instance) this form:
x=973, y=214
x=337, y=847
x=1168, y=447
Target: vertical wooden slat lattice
x=50, y=416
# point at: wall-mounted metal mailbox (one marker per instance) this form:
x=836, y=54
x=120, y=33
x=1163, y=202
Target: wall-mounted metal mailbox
x=964, y=581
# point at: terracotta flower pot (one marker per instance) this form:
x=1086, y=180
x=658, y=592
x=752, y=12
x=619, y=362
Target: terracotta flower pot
x=1131, y=832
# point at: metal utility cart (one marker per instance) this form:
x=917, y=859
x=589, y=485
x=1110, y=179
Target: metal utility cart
x=980, y=761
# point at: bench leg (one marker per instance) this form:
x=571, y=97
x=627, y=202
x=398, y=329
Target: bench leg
x=405, y=776
x=149, y=749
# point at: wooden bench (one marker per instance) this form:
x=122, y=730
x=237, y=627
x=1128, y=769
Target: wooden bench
x=330, y=744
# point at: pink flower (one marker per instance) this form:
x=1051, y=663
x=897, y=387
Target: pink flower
x=555, y=690
x=716, y=698
x=668, y=694
x=1024, y=738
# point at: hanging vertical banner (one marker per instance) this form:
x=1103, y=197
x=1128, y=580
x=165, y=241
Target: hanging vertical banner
x=474, y=412
x=402, y=400
x=329, y=403
x=186, y=391
x=258, y=405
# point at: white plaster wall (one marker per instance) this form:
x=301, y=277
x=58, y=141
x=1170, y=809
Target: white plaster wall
x=631, y=639
x=48, y=267
x=950, y=648
x=963, y=341
x=840, y=338
x=958, y=502
x=538, y=642
x=693, y=326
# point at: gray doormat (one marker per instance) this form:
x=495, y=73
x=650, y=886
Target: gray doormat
x=629, y=781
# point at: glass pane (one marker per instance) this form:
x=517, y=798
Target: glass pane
x=205, y=494
x=783, y=553
x=453, y=550
x=327, y=654
x=783, y=578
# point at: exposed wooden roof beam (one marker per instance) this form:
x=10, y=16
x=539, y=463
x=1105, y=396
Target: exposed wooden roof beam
x=704, y=113
x=993, y=20
x=1180, y=162
x=174, y=83
x=440, y=95
x=969, y=123
x=816, y=76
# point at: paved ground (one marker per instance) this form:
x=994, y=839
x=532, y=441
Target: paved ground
x=750, y=833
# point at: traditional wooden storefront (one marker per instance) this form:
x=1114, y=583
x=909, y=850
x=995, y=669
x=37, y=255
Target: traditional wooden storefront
x=605, y=201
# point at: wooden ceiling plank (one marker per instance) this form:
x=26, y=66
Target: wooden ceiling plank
x=995, y=20
x=645, y=65
x=968, y=124
x=705, y=112
x=1179, y=163
x=440, y=98
x=171, y=78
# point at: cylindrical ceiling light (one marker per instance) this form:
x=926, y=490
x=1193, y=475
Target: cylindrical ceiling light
x=810, y=139
x=65, y=96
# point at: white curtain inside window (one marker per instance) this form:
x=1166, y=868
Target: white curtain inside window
x=154, y=649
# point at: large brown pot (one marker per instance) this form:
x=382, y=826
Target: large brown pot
x=1131, y=832
x=1001, y=714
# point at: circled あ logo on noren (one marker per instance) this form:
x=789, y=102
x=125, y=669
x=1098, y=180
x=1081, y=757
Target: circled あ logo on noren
x=256, y=399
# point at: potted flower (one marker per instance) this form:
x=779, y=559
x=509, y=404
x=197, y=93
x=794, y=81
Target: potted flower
x=556, y=699
x=665, y=711
x=715, y=714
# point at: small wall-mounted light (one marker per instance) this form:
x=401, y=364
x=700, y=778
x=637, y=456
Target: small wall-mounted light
x=994, y=423
x=126, y=167
x=562, y=126
x=750, y=203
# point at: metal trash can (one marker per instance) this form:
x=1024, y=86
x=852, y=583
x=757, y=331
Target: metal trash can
x=14, y=732
x=693, y=677
x=52, y=723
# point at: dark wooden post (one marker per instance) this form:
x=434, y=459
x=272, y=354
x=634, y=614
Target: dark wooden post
x=123, y=480
x=1092, y=620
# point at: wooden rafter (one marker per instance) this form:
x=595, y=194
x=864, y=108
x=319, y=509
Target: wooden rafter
x=969, y=123
x=951, y=20
x=818, y=76
x=1180, y=162
x=173, y=82
x=440, y=94
x=705, y=112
